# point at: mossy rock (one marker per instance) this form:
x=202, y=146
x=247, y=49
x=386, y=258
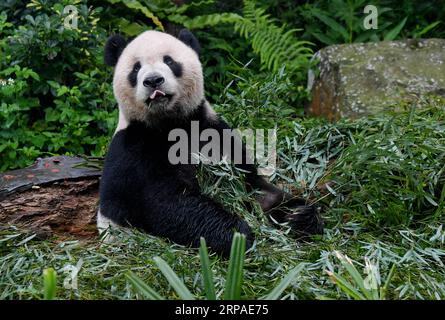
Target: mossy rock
x=359, y=79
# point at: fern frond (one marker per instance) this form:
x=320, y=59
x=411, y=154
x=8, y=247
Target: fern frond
x=275, y=45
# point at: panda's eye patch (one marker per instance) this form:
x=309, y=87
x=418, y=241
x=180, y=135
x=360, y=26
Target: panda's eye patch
x=133, y=75
x=168, y=60
x=175, y=66
x=137, y=67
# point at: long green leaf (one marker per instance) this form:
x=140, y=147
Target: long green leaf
x=345, y=286
x=49, y=284
x=427, y=29
x=207, y=276
x=284, y=283
x=142, y=287
x=331, y=23
x=235, y=273
x=384, y=289
x=353, y=272
x=173, y=279
x=392, y=34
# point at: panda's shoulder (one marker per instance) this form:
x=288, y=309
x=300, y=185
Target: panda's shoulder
x=130, y=140
x=207, y=116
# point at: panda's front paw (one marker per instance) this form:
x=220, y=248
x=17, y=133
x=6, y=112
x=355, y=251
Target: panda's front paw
x=305, y=221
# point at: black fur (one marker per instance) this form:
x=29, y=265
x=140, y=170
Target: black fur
x=113, y=49
x=133, y=75
x=189, y=39
x=175, y=66
x=140, y=187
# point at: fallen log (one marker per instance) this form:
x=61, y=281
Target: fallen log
x=55, y=196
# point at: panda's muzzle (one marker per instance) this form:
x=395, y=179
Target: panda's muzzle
x=153, y=81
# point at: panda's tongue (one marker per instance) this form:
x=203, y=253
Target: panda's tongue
x=156, y=94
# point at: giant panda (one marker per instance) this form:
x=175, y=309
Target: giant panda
x=158, y=84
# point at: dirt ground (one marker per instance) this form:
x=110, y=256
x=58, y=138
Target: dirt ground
x=64, y=209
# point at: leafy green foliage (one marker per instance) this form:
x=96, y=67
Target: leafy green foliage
x=341, y=21
x=394, y=170
x=58, y=99
x=265, y=100
x=136, y=5
x=276, y=46
x=207, y=275
x=382, y=170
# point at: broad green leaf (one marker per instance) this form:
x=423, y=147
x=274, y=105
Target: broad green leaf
x=235, y=273
x=284, y=283
x=49, y=284
x=345, y=286
x=353, y=272
x=207, y=276
x=392, y=34
x=427, y=29
x=334, y=25
x=142, y=287
x=384, y=289
x=173, y=279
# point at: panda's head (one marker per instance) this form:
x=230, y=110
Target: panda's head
x=156, y=75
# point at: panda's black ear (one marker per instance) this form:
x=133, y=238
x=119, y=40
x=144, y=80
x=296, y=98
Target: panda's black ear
x=189, y=39
x=113, y=49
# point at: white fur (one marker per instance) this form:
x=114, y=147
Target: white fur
x=210, y=112
x=149, y=48
x=123, y=123
x=103, y=226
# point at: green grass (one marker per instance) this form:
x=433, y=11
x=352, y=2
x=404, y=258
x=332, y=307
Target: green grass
x=383, y=207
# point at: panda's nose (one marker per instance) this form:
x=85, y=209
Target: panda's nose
x=153, y=81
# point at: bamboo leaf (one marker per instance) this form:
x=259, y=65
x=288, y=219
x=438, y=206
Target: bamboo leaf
x=143, y=288
x=207, y=276
x=353, y=272
x=173, y=279
x=235, y=273
x=49, y=284
x=345, y=286
x=392, y=34
x=284, y=283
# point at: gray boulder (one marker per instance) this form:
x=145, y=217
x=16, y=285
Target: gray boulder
x=353, y=80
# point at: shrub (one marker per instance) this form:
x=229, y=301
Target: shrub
x=56, y=95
